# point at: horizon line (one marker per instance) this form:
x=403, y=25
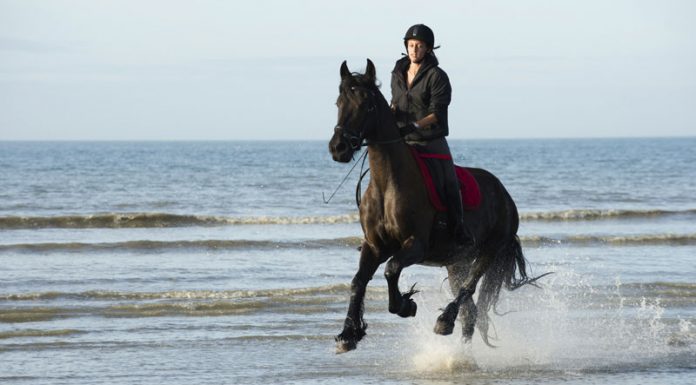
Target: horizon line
x=321, y=140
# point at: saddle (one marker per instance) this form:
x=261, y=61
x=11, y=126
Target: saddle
x=434, y=181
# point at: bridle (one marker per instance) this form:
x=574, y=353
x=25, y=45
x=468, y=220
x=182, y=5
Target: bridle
x=354, y=138
x=357, y=139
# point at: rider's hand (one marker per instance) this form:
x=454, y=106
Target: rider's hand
x=409, y=128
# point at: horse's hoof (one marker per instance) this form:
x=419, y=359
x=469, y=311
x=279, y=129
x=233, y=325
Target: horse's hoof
x=443, y=327
x=414, y=308
x=408, y=309
x=467, y=333
x=343, y=346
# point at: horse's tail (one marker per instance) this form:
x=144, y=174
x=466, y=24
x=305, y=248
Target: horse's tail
x=509, y=269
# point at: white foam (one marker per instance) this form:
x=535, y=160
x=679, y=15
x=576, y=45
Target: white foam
x=567, y=325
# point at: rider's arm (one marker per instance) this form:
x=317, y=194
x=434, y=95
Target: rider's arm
x=427, y=120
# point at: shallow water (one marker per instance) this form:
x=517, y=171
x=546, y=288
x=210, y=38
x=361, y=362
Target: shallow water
x=217, y=263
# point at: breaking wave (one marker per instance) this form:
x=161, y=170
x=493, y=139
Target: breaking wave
x=165, y=220
x=178, y=295
x=349, y=242
x=590, y=214
x=627, y=240
x=38, y=333
x=108, y=304
x=339, y=291
x=162, y=220
x=150, y=245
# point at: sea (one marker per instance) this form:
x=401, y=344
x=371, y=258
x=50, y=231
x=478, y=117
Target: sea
x=221, y=263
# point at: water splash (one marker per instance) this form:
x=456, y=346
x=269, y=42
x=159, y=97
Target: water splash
x=568, y=325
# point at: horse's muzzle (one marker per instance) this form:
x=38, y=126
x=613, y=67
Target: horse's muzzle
x=340, y=150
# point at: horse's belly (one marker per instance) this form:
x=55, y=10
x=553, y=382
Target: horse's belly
x=434, y=263
x=441, y=259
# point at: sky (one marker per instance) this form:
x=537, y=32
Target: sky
x=269, y=70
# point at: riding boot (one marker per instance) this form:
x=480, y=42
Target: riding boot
x=455, y=212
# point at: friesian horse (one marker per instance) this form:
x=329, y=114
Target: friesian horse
x=400, y=227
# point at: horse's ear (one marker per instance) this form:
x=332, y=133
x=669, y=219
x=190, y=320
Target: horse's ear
x=345, y=72
x=370, y=72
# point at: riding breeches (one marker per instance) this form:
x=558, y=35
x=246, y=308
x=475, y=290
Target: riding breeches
x=440, y=146
x=450, y=181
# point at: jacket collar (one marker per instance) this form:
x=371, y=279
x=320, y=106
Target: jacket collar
x=402, y=66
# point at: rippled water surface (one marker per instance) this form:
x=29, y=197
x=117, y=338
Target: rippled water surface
x=217, y=262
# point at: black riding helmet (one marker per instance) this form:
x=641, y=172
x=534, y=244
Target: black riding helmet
x=420, y=32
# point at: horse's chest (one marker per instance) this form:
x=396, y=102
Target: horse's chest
x=387, y=222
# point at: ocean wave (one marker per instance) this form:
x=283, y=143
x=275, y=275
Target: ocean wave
x=108, y=304
x=591, y=214
x=674, y=292
x=166, y=220
x=149, y=245
x=38, y=333
x=179, y=294
x=304, y=300
x=682, y=290
x=160, y=220
x=628, y=240
x=667, y=295
x=35, y=314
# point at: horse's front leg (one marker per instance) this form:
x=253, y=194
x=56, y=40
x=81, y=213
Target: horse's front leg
x=412, y=252
x=354, y=326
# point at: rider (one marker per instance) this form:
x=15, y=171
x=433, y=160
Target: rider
x=421, y=92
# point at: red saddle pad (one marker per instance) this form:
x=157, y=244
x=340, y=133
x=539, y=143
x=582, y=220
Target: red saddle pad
x=471, y=194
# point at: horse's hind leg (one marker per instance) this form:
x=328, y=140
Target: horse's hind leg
x=467, y=311
x=412, y=252
x=468, y=314
x=445, y=322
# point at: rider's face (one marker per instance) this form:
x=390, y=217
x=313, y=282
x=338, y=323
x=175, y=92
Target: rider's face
x=416, y=50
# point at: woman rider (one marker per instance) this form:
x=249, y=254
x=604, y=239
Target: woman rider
x=421, y=92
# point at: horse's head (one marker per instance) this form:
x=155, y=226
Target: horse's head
x=357, y=112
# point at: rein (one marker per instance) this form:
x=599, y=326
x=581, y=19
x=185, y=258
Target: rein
x=326, y=201
x=358, y=188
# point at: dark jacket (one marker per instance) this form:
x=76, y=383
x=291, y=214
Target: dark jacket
x=430, y=92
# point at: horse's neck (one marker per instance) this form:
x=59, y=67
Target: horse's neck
x=391, y=162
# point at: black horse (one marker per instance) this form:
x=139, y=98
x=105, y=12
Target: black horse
x=400, y=227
